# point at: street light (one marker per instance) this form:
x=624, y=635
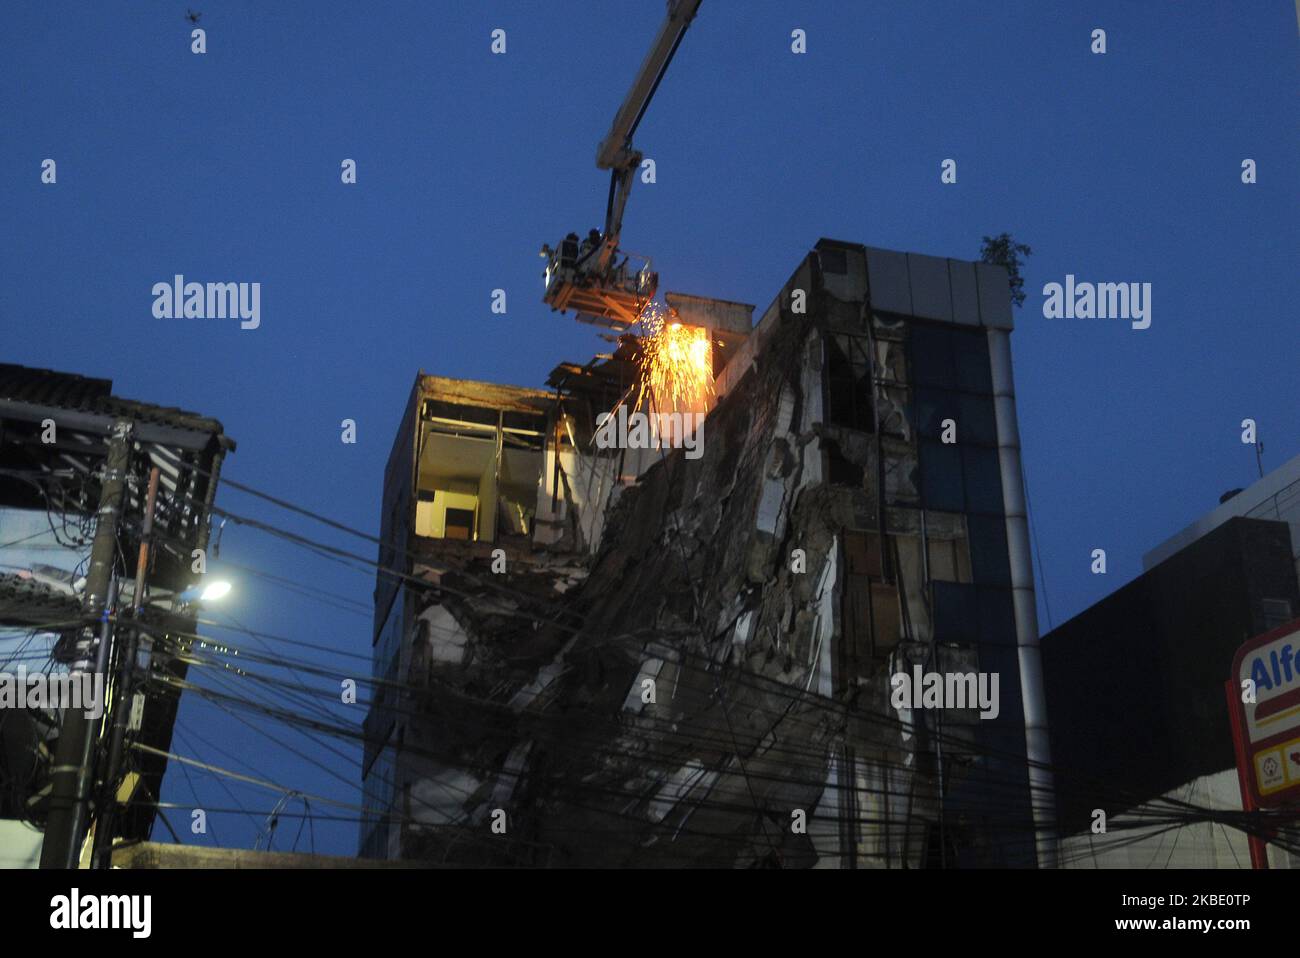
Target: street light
x=214, y=590
x=209, y=592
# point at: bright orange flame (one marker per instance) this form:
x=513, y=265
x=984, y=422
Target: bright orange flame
x=676, y=364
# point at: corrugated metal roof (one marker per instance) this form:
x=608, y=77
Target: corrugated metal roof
x=59, y=390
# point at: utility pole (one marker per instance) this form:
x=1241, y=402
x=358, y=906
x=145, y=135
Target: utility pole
x=73, y=772
x=123, y=691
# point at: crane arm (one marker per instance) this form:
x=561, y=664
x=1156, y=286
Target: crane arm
x=615, y=152
x=584, y=276
x=616, y=149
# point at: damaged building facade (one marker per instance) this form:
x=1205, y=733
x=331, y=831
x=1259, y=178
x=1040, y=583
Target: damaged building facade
x=614, y=657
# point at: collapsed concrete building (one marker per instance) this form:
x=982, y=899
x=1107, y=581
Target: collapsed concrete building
x=630, y=657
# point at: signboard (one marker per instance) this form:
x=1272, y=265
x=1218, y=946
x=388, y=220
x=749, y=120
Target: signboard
x=1268, y=728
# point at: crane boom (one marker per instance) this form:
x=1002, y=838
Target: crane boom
x=614, y=149
x=586, y=276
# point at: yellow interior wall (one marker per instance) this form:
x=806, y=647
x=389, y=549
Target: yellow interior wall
x=431, y=517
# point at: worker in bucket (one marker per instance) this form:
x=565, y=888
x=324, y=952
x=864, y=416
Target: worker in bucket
x=569, y=251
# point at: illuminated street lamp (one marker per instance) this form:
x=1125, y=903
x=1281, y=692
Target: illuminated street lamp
x=214, y=590
x=208, y=592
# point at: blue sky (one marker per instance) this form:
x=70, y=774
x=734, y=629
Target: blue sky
x=225, y=167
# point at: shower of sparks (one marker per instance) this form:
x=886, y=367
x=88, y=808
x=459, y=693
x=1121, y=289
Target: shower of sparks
x=676, y=363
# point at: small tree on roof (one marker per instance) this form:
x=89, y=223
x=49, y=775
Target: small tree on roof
x=1002, y=250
